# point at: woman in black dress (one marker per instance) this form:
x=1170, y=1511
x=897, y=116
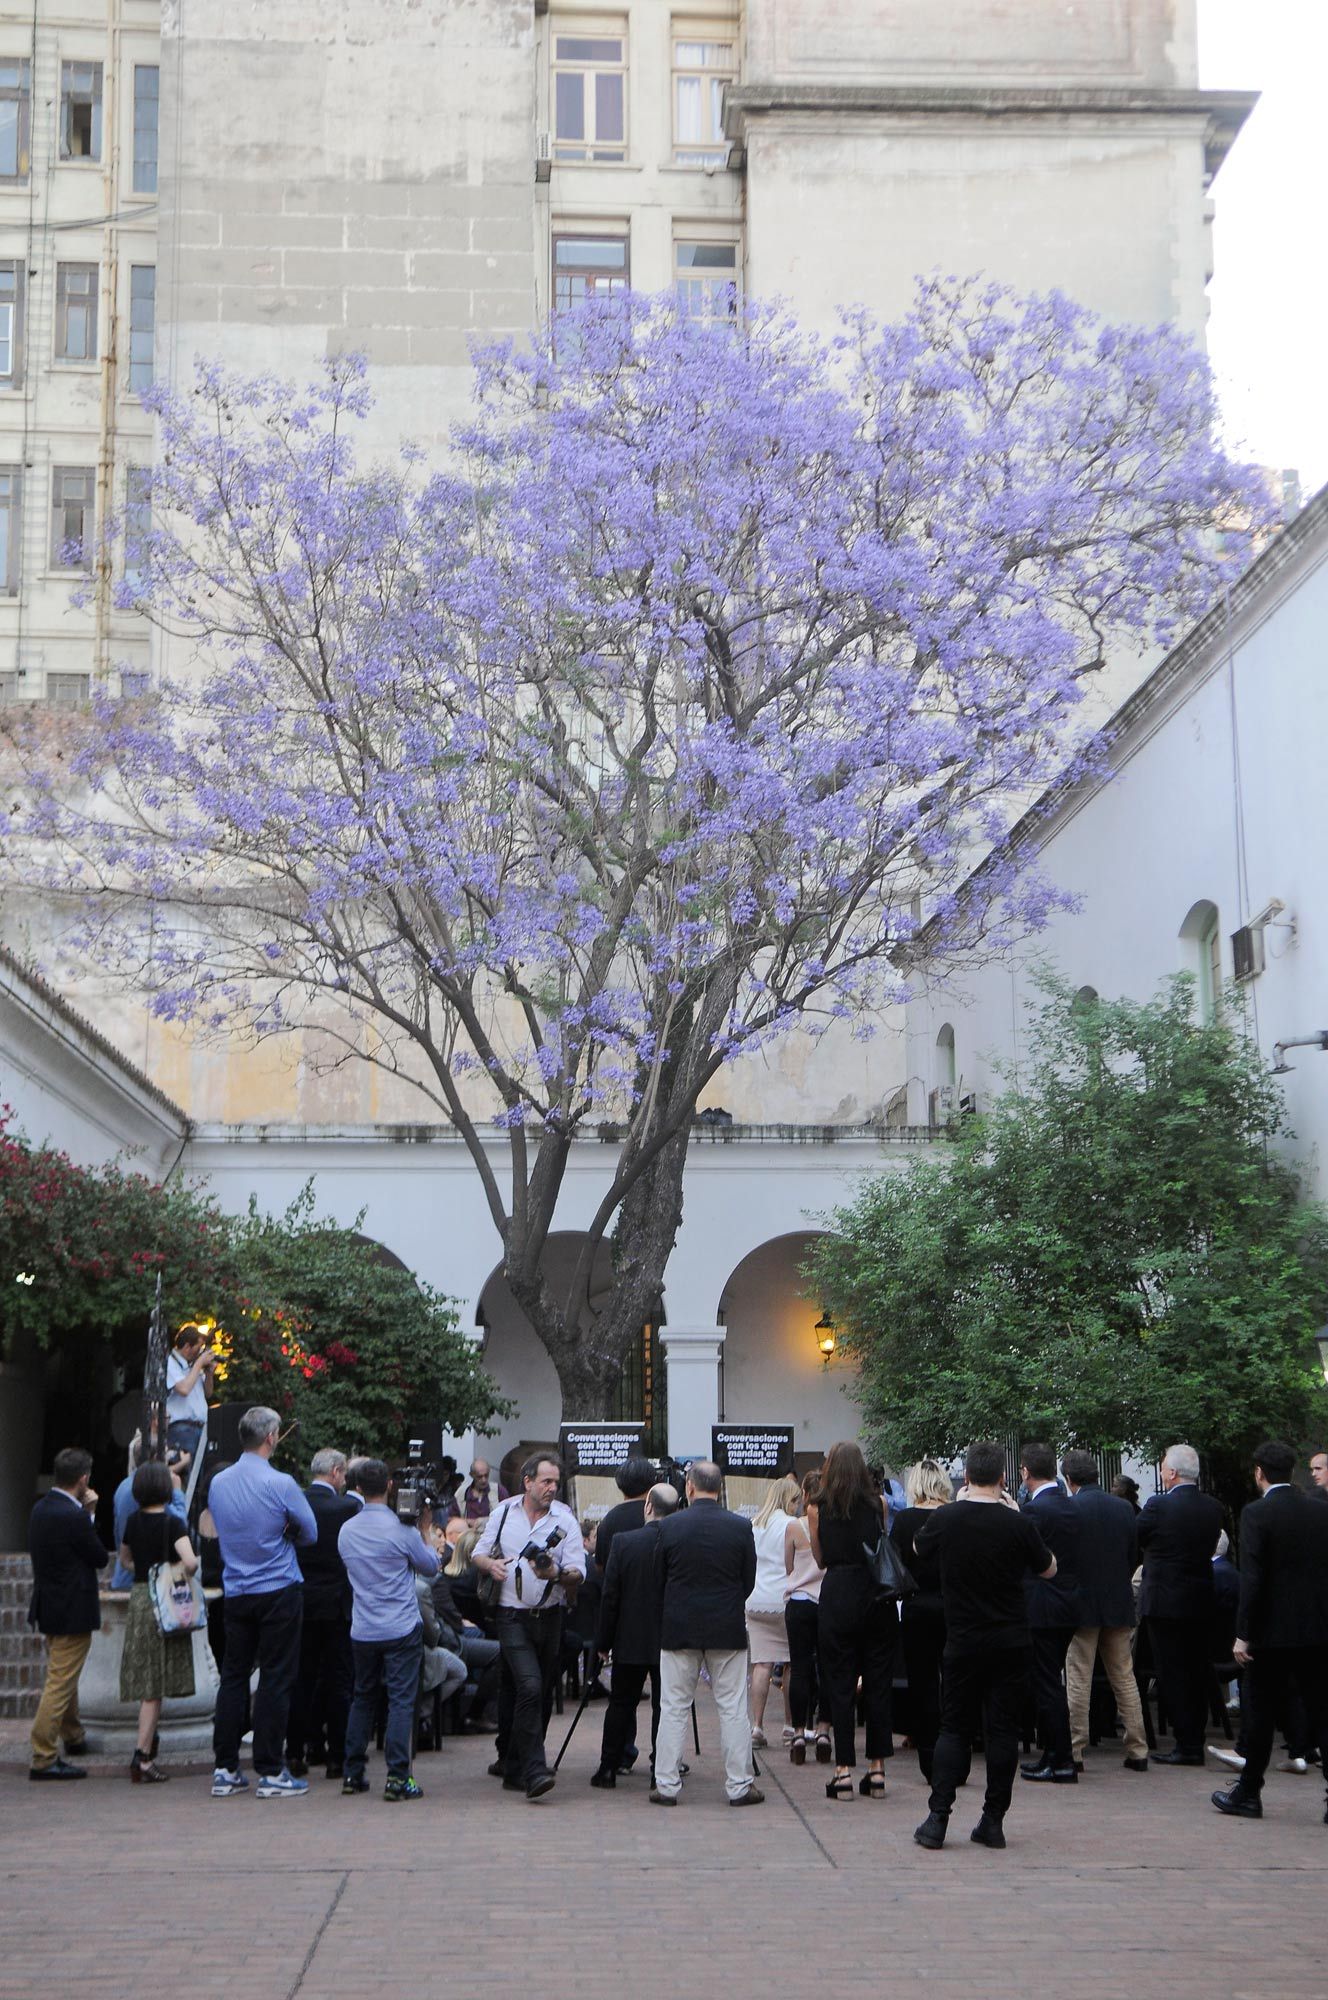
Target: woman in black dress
x=858, y=1628
x=154, y=1664
x=922, y=1623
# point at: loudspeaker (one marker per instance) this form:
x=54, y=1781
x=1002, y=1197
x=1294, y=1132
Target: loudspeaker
x=223, y=1431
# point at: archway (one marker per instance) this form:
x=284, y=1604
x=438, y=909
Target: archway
x=773, y=1371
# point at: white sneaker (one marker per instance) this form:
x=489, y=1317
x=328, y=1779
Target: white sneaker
x=1298, y=1765
x=281, y=1785
x=226, y=1783
x=1231, y=1758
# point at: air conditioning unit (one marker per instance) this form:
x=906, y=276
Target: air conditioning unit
x=1247, y=951
x=543, y=155
x=944, y=1104
x=968, y=1104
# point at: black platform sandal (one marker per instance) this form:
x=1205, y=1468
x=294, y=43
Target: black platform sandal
x=872, y=1785
x=840, y=1788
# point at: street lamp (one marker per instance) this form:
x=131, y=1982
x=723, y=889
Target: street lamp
x=825, y=1336
x=1321, y=1342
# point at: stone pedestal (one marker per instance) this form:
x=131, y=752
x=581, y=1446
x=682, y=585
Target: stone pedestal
x=691, y=1355
x=186, y=1722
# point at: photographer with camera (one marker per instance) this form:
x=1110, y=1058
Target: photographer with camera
x=383, y=1557
x=191, y=1367
x=533, y=1556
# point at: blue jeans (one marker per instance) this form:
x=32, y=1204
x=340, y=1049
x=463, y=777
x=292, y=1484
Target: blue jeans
x=396, y=1662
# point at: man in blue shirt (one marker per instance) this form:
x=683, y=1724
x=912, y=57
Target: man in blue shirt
x=124, y=1504
x=260, y=1515
x=383, y=1557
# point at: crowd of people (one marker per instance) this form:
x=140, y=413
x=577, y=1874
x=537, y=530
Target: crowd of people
x=982, y=1614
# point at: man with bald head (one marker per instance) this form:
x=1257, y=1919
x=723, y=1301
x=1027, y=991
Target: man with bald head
x=705, y=1570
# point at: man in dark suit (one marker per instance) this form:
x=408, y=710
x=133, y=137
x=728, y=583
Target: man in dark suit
x=1108, y=1556
x=66, y=1555
x=1053, y=1615
x=628, y=1629
x=1282, y=1619
x=1319, y=1474
x=705, y=1568
x=634, y=1479
x=1178, y=1534
x=326, y=1677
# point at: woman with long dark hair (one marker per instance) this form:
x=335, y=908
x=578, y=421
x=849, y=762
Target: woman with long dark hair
x=858, y=1628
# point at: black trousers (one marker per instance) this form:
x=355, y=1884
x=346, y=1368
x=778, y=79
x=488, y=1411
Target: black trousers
x=1050, y=1645
x=531, y=1646
x=262, y=1627
x=802, y=1623
x=923, y=1637
x=323, y=1684
x=858, y=1631
x=625, y=1691
x=1275, y=1674
x=1180, y=1658
x=980, y=1691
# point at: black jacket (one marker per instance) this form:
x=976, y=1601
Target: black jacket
x=1283, y=1572
x=1178, y=1538
x=67, y=1553
x=327, y=1592
x=1108, y=1557
x=705, y=1567
x=1054, y=1602
x=623, y=1519
x=629, y=1604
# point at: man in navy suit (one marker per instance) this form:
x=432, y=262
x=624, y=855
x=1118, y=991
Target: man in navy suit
x=67, y=1553
x=628, y=1630
x=1108, y=1556
x=1053, y=1615
x=320, y=1703
x=1178, y=1534
x=1282, y=1619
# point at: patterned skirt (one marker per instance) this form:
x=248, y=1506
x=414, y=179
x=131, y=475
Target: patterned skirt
x=153, y=1666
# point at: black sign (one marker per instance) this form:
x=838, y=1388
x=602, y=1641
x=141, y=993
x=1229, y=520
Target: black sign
x=754, y=1451
x=600, y=1448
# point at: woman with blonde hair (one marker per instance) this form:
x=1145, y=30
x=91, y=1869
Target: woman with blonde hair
x=803, y=1577
x=927, y=1486
x=767, y=1634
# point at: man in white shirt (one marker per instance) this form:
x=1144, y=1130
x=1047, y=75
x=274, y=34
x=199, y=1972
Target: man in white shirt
x=190, y=1367
x=533, y=1548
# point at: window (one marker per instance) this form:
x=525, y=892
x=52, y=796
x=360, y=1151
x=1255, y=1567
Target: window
x=700, y=71
x=1201, y=934
x=705, y=277
x=587, y=266
x=590, y=95
x=11, y=323
x=142, y=323
x=68, y=690
x=15, y=119
x=11, y=527
x=76, y=312
x=137, y=522
x=80, y=111
x=146, y=89
x=73, y=504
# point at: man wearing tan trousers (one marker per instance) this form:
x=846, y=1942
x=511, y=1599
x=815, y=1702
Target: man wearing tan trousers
x=1108, y=1554
x=66, y=1555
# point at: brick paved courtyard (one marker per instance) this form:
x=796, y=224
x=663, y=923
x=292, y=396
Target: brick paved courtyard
x=1125, y=1886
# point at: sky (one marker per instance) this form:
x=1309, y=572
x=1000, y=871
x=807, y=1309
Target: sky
x=1268, y=333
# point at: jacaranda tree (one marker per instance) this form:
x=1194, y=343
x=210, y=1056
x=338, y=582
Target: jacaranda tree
x=555, y=779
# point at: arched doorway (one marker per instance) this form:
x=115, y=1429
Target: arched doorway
x=773, y=1371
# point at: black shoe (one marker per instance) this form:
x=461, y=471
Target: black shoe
x=350, y=1786
x=627, y=1761
x=1135, y=1763
x=42, y=1774
x=604, y=1781
x=988, y=1832
x=297, y=1767
x=498, y=1768
x=1050, y=1774
x=87, y=1747
x=1191, y=1757
x=335, y=1771
x=932, y=1831
x=1238, y=1803
x=1038, y=1764
x=541, y=1784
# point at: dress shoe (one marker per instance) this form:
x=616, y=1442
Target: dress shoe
x=1191, y=1757
x=1038, y=1764
x=1135, y=1763
x=498, y=1768
x=542, y=1782
x=658, y=1798
x=42, y=1774
x=1238, y=1803
x=751, y=1797
x=1051, y=1774
x=604, y=1781
x=988, y=1832
x=335, y=1771
x=932, y=1831
x=298, y=1768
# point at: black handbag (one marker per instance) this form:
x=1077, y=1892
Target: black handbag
x=888, y=1570
x=489, y=1589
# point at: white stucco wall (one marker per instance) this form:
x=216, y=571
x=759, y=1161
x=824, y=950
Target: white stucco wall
x=1165, y=834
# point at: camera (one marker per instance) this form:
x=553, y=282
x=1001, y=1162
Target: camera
x=416, y=1485
x=535, y=1552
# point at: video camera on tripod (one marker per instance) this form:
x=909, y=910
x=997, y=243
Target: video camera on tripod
x=415, y=1485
